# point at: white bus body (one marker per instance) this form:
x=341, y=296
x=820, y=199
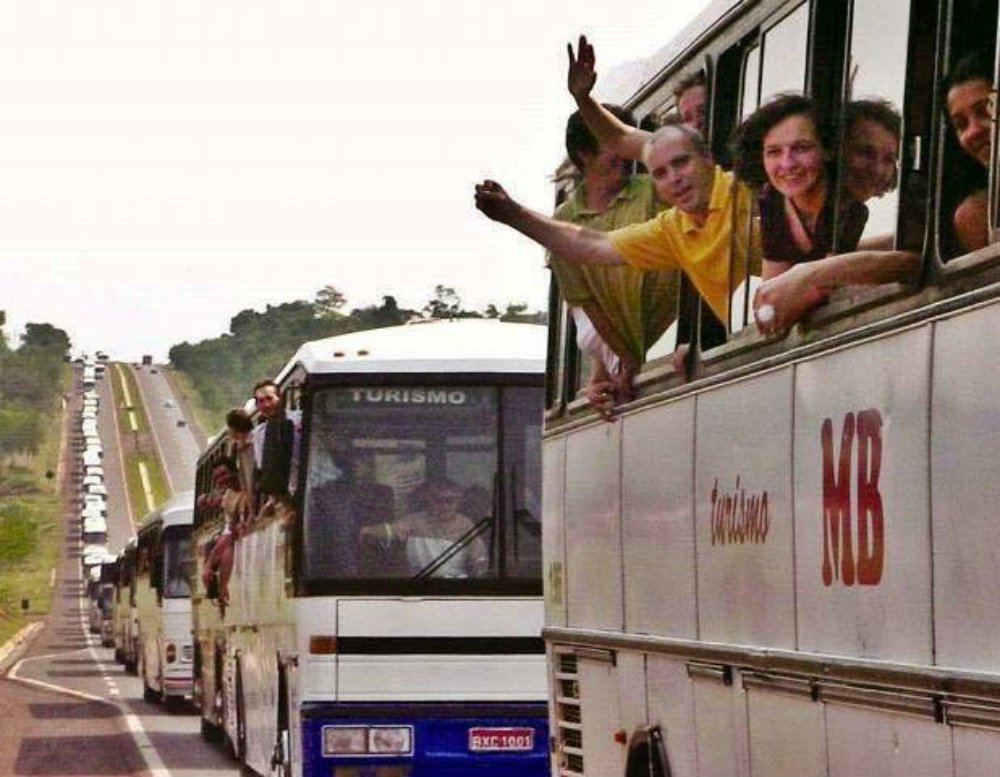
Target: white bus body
x=337, y=661
x=164, y=644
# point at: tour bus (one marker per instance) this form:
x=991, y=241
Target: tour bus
x=781, y=561
x=123, y=606
x=163, y=636
x=390, y=623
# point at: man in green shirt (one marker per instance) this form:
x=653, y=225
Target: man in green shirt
x=619, y=312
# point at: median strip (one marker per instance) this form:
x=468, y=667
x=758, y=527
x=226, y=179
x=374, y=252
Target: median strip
x=145, y=483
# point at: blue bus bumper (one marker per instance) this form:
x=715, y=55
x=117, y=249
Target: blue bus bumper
x=448, y=740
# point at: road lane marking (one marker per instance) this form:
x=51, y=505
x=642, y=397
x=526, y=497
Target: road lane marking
x=156, y=440
x=147, y=489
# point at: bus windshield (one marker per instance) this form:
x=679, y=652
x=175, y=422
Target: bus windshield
x=176, y=562
x=420, y=483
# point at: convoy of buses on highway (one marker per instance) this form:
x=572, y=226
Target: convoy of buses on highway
x=765, y=548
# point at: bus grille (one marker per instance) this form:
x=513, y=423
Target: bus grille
x=569, y=757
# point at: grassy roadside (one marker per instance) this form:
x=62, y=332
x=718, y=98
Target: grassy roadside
x=137, y=445
x=31, y=529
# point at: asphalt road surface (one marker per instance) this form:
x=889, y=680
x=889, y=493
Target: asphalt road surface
x=67, y=708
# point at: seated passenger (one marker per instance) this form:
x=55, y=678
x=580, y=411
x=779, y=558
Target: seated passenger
x=437, y=536
x=784, y=149
x=619, y=312
x=968, y=102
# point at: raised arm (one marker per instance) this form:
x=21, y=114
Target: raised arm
x=791, y=295
x=611, y=133
x=560, y=237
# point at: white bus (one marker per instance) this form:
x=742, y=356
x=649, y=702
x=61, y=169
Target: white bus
x=784, y=562
x=391, y=623
x=164, y=648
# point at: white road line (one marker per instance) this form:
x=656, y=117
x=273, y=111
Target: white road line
x=146, y=487
x=156, y=440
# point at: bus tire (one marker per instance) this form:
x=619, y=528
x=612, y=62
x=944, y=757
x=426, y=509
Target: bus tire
x=210, y=732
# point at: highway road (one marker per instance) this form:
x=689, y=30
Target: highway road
x=68, y=708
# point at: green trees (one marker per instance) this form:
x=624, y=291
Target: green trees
x=29, y=385
x=258, y=344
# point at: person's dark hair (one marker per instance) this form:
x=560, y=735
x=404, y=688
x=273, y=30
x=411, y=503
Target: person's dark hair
x=747, y=142
x=974, y=66
x=238, y=420
x=689, y=81
x=264, y=384
x=880, y=111
x=580, y=140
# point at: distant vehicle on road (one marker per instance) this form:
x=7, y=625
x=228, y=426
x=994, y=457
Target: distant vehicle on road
x=147, y=360
x=169, y=403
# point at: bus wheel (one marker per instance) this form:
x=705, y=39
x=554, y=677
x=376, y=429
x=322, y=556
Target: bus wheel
x=210, y=732
x=148, y=694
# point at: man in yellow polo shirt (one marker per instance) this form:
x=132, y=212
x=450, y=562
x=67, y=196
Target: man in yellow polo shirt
x=695, y=235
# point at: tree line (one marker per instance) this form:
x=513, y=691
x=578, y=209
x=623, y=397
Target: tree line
x=258, y=344
x=30, y=383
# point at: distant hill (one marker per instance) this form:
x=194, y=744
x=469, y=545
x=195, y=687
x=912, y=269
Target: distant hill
x=220, y=372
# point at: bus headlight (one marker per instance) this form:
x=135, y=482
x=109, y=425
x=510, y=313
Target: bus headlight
x=390, y=740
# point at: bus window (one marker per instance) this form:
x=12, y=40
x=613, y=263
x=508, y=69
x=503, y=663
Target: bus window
x=965, y=162
x=177, y=562
x=405, y=484
x=751, y=83
x=522, y=426
x=871, y=123
x=783, y=68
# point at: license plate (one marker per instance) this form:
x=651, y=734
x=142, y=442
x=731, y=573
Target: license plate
x=495, y=740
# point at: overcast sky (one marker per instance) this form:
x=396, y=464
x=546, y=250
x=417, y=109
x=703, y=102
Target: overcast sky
x=165, y=165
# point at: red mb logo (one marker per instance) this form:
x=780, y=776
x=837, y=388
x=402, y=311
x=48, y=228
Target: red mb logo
x=853, y=554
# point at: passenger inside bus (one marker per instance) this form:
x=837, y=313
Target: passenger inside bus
x=344, y=501
x=619, y=312
x=968, y=103
x=872, y=132
x=784, y=150
x=690, y=97
x=439, y=539
x=274, y=444
x=240, y=429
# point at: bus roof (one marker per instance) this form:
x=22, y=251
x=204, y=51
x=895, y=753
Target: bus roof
x=445, y=346
x=624, y=82
x=176, y=511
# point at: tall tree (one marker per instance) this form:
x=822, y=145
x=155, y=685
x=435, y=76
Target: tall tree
x=329, y=300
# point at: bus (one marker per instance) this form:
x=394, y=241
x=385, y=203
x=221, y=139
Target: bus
x=164, y=649
x=388, y=620
x=123, y=607
x=781, y=561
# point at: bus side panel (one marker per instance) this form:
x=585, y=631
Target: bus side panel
x=861, y=500
x=977, y=751
x=600, y=717
x=743, y=509
x=719, y=729
x=553, y=536
x=965, y=455
x=787, y=735
x=671, y=706
x=867, y=741
x=658, y=521
x=593, y=552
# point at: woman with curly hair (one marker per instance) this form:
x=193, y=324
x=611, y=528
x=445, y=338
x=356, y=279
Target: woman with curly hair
x=784, y=150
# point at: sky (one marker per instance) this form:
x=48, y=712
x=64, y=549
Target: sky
x=164, y=165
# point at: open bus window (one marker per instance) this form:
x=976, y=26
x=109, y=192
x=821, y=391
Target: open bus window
x=969, y=131
x=871, y=123
x=407, y=484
